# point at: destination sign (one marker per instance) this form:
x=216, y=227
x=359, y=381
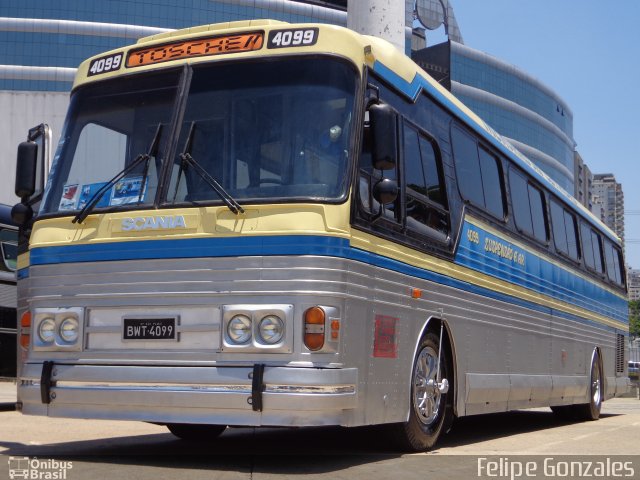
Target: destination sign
x=200, y=47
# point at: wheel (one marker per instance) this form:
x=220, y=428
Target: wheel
x=586, y=411
x=430, y=409
x=591, y=410
x=196, y=432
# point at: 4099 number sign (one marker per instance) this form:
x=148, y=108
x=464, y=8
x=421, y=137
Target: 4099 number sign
x=295, y=37
x=105, y=64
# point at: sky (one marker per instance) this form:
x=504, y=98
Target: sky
x=588, y=52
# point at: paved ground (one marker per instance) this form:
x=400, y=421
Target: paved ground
x=105, y=449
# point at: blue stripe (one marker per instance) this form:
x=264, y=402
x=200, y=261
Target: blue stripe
x=265, y=246
x=22, y=273
x=418, y=84
x=528, y=270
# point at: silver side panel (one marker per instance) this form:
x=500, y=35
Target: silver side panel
x=507, y=356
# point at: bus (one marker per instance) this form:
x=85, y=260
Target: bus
x=260, y=223
x=8, y=332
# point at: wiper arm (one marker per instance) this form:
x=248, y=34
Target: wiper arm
x=187, y=160
x=143, y=157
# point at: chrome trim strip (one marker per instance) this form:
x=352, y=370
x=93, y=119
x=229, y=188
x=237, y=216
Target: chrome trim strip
x=12, y=331
x=278, y=389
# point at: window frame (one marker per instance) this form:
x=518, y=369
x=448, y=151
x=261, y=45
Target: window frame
x=513, y=170
x=479, y=145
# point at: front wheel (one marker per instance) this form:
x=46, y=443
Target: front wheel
x=196, y=432
x=429, y=412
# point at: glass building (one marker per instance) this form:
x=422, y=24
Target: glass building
x=42, y=43
x=518, y=106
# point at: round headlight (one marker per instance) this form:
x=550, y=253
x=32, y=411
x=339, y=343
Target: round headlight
x=69, y=329
x=271, y=329
x=47, y=330
x=239, y=329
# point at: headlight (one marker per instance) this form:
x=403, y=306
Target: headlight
x=47, y=330
x=239, y=329
x=271, y=329
x=69, y=329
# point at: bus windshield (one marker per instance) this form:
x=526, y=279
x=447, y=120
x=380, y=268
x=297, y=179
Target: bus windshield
x=264, y=130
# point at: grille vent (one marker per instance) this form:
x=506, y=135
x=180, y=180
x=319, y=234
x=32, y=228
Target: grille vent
x=619, y=353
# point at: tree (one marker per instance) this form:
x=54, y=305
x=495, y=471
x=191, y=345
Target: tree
x=634, y=318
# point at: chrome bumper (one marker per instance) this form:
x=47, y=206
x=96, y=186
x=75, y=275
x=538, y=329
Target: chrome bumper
x=252, y=396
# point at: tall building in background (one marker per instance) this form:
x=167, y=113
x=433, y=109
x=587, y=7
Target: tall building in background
x=608, y=202
x=583, y=182
x=633, y=282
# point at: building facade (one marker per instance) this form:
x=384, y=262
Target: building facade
x=608, y=202
x=583, y=182
x=633, y=282
x=535, y=119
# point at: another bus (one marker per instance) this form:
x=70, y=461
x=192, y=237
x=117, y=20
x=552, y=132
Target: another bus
x=8, y=332
x=269, y=224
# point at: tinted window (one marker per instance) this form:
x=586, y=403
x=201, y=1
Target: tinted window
x=424, y=192
x=572, y=235
x=491, y=183
x=596, y=241
x=478, y=174
x=467, y=167
x=520, y=202
x=528, y=206
x=559, y=231
x=612, y=256
x=536, y=202
x=587, y=246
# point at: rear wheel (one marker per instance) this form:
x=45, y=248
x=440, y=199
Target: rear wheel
x=591, y=410
x=429, y=412
x=196, y=432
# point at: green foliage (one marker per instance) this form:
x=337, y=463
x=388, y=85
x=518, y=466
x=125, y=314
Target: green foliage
x=634, y=318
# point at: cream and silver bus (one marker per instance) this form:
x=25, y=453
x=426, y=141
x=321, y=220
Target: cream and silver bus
x=269, y=224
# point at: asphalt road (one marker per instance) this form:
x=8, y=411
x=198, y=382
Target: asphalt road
x=123, y=450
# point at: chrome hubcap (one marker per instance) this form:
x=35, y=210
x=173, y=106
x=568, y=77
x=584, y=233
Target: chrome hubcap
x=595, y=386
x=426, y=396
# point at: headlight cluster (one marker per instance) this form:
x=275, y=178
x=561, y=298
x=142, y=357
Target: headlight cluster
x=57, y=328
x=269, y=330
x=257, y=328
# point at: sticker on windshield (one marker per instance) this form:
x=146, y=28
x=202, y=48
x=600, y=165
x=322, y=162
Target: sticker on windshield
x=128, y=191
x=69, y=197
x=88, y=191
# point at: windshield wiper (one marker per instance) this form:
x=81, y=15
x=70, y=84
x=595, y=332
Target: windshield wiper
x=142, y=158
x=187, y=160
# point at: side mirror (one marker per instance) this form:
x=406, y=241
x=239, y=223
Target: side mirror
x=26, y=169
x=384, y=136
x=385, y=191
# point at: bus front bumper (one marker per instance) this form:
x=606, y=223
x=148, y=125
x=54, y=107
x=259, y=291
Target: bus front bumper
x=249, y=396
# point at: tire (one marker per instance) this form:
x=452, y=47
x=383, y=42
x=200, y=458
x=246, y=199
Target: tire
x=586, y=411
x=591, y=410
x=430, y=411
x=196, y=432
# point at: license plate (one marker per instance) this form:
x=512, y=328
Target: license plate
x=149, y=328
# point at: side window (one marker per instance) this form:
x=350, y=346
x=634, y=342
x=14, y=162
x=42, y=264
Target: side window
x=565, y=235
x=424, y=190
x=587, y=246
x=596, y=240
x=572, y=235
x=592, y=248
x=478, y=174
x=528, y=207
x=559, y=229
x=612, y=257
